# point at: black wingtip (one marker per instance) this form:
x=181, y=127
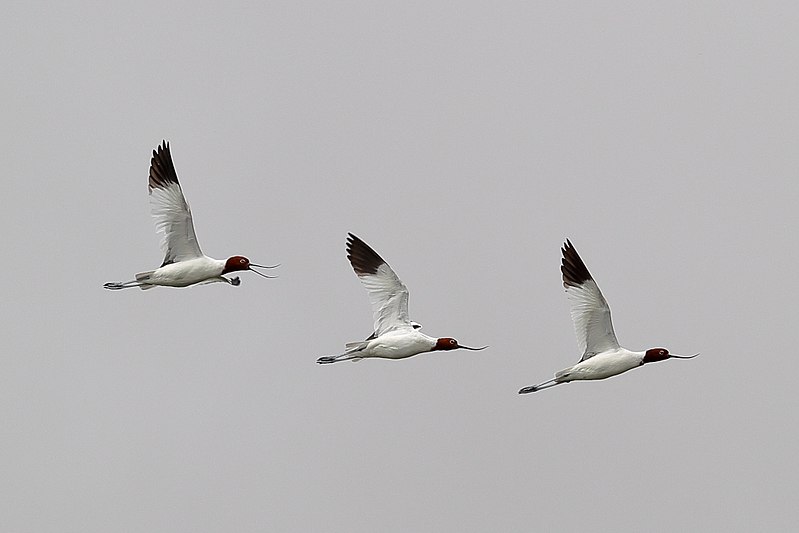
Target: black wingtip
x=574, y=271
x=362, y=257
x=162, y=169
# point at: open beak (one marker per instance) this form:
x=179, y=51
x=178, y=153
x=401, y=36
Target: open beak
x=261, y=273
x=683, y=356
x=474, y=349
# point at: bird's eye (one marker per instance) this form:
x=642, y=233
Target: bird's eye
x=453, y=341
x=242, y=261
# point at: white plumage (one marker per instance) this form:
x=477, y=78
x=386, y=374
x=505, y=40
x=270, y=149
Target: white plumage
x=184, y=263
x=602, y=357
x=395, y=336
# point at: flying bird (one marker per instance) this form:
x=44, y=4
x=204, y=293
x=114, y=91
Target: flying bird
x=184, y=263
x=602, y=355
x=395, y=336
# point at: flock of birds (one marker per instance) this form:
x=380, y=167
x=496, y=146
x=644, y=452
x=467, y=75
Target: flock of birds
x=395, y=336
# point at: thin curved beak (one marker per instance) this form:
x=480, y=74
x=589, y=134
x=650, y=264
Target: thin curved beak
x=261, y=273
x=683, y=356
x=264, y=266
x=473, y=349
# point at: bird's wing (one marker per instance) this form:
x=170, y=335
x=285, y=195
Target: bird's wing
x=170, y=210
x=590, y=312
x=414, y=325
x=388, y=294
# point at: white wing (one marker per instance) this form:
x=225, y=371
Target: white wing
x=414, y=325
x=388, y=294
x=170, y=210
x=590, y=312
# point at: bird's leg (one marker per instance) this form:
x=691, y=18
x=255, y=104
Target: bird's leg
x=541, y=386
x=117, y=285
x=336, y=358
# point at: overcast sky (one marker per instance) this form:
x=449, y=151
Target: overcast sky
x=464, y=141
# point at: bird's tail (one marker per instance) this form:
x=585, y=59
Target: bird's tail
x=143, y=278
x=355, y=346
x=351, y=350
x=140, y=281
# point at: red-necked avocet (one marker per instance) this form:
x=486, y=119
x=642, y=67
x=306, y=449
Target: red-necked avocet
x=395, y=336
x=184, y=263
x=602, y=355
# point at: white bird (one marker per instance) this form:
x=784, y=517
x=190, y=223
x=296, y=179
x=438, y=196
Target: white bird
x=602, y=355
x=184, y=263
x=395, y=336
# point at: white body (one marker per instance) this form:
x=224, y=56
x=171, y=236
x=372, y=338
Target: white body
x=184, y=273
x=395, y=344
x=602, y=365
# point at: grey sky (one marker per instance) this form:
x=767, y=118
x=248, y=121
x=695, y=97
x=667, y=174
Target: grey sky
x=463, y=141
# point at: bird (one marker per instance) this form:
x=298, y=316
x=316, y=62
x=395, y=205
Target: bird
x=602, y=355
x=395, y=335
x=184, y=263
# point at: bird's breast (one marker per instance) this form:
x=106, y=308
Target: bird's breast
x=399, y=346
x=606, y=364
x=184, y=273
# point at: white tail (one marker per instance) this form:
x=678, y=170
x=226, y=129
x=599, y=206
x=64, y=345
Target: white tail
x=355, y=346
x=144, y=277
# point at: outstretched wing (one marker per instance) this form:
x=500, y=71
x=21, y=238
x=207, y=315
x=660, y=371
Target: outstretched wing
x=388, y=294
x=170, y=210
x=590, y=312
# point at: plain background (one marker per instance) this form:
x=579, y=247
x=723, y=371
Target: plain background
x=464, y=141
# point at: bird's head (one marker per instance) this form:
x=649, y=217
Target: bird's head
x=448, y=343
x=661, y=354
x=238, y=262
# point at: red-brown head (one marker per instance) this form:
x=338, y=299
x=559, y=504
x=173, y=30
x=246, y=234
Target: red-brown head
x=661, y=354
x=448, y=343
x=238, y=262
